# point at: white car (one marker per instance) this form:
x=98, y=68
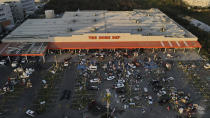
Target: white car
x=145, y=90
x=104, y=66
x=119, y=85
x=150, y=100
x=44, y=81
x=207, y=66
x=110, y=77
x=42, y=102
x=131, y=65
x=29, y=71
x=18, y=70
x=95, y=80
x=129, y=73
x=23, y=61
x=169, y=55
x=2, y=62
x=92, y=67
x=53, y=72
x=161, y=93
x=24, y=75
x=66, y=64
x=171, y=78
x=94, y=88
x=14, y=64
x=120, y=81
x=30, y=113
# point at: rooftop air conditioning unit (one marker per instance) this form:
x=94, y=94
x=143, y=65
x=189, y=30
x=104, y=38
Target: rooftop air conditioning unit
x=70, y=29
x=49, y=14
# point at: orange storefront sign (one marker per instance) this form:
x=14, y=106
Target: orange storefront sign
x=103, y=37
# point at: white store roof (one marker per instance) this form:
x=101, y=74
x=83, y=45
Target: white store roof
x=137, y=22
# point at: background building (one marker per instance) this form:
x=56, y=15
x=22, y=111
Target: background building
x=198, y=3
x=38, y=1
x=28, y=5
x=6, y=14
x=17, y=11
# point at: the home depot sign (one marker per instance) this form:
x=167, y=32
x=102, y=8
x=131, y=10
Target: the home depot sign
x=103, y=37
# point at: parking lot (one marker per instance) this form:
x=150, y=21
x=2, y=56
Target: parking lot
x=113, y=83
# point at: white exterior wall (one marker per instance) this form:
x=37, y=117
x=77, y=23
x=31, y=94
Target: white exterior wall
x=5, y=13
x=199, y=3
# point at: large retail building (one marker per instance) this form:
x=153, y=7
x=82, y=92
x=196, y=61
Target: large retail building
x=98, y=30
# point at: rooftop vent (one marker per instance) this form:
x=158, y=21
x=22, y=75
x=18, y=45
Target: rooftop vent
x=138, y=21
x=74, y=21
x=93, y=29
x=163, y=29
x=139, y=29
x=163, y=19
x=70, y=30
x=95, y=20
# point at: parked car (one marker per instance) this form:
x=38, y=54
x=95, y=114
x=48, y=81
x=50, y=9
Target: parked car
x=110, y=77
x=3, y=62
x=150, y=101
x=14, y=64
x=93, y=88
x=132, y=65
x=24, y=75
x=120, y=81
x=119, y=85
x=18, y=70
x=207, y=66
x=30, y=113
x=66, y=63
x=91, y=67
x=95, y=80
x=44, y=81
x=23, y=60
x=145, y=90
x=171, y=78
